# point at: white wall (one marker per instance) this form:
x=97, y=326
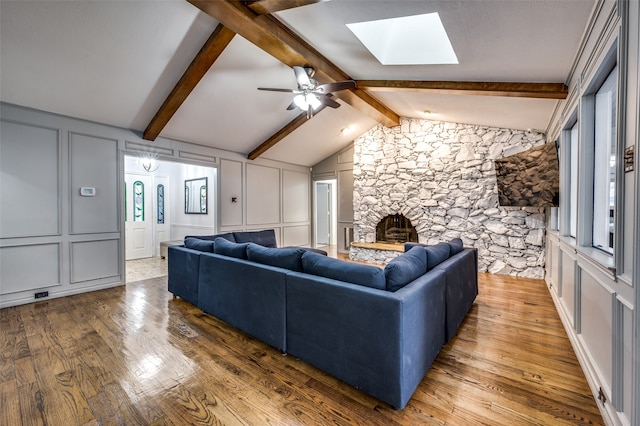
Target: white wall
x=596, y=295
x=52, y=239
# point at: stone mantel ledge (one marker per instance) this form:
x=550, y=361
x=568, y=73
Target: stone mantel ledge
x=377, y=253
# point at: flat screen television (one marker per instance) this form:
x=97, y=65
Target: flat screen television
x=529, y=178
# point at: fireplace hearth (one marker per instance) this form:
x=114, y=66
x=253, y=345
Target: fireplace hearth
x=396, y=228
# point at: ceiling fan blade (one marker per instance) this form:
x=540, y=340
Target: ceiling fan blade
x=271, y=89
x=327, y=101
x=301, y=76
x=335, y=87
x=292, y=105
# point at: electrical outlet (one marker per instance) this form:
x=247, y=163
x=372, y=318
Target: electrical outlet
x=42, y=294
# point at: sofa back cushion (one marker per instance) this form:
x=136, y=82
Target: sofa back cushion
x=198, y=244
x=405, y=268
x=355, y=273
x=266, y=238
x=437, y=254
x=455, y=246
x=286, y=257
x=227, y=248
x=227, y=236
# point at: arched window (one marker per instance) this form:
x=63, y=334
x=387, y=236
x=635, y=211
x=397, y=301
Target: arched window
x=160, y=202
x=138, y=201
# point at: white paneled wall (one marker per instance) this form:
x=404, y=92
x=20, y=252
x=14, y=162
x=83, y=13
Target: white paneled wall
x=596, y=293
x=54, y=239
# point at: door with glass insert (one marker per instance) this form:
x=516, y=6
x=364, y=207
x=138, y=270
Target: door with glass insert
x=138, y=216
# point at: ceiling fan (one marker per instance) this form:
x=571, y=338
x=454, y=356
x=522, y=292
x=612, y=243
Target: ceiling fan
x=310, y=95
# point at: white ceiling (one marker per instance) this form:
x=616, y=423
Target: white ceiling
x=115, y=62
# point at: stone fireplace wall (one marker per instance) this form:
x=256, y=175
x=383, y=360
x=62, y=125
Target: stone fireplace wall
x=441, y=176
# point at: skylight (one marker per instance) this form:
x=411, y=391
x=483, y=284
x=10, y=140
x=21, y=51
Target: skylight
x=409, y=40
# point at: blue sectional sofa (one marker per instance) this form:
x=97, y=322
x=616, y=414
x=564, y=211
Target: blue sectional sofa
x=376, y=329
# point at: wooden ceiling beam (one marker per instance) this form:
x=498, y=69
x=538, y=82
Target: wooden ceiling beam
x=521, y=90
x=266, y=7
x=272, y=36
x=210, y=51
x=280, y=134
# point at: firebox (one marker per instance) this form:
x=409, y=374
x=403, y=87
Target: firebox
x=396, y=228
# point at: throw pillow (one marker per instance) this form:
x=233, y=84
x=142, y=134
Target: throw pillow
x=227, y=248
x=355, y=273
x=455, y=246
x=405, y=268
x=288, y=258
x=198, y=244
x=437, y=254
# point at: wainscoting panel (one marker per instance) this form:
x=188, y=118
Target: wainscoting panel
x=295, y=196
x=596, y=306
x=30, y=167
x=345, y=196
x=567, y=261
x=230, y=190
x=94, y=163
x=92, y=260
x=296, y=235
x=263, y=187
x=29, y=267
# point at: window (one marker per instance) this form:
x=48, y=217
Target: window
x=573, y=180
x=138, y=201
x=203, y=199
x=160, y=202
x=604, y=150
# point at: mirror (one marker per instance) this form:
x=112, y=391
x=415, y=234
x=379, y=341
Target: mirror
x=195, y=196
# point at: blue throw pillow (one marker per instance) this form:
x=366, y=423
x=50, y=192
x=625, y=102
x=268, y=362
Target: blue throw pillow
x=409, y=246
x=198, y=244
x=455, y=246
x=227, y=248
x=286, y=257
x=266, y=238
x=355, y=273
x=437, y=254
x=405, y=268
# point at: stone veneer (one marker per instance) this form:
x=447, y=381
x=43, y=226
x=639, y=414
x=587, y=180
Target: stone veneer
x=441, y=176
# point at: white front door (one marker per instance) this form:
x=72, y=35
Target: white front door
x=139, y=216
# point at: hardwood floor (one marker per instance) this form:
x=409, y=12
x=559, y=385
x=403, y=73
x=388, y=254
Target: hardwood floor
x=134, y=355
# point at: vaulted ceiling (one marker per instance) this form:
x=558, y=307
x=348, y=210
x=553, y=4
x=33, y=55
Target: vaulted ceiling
x=189, y=70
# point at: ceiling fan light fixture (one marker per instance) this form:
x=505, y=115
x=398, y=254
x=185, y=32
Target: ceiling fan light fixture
x=313, y=101
x=301, y=102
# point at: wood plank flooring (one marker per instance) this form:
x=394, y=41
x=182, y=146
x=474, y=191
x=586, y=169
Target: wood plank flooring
x=133, y=355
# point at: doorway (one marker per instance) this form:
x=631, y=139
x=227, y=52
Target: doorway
x=325, y=213
x=146, y=210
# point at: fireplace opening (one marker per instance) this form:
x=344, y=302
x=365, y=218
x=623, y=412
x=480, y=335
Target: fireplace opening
x=396, y=228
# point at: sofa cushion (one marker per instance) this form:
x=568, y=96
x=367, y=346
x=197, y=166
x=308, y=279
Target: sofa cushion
x=228, y=248
x=198, y=244
x=355, y=273
x=437, y=254
x=405, y=268
x=455, y=246
x=227, y=236
x=266, y=238
x=286, y=257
